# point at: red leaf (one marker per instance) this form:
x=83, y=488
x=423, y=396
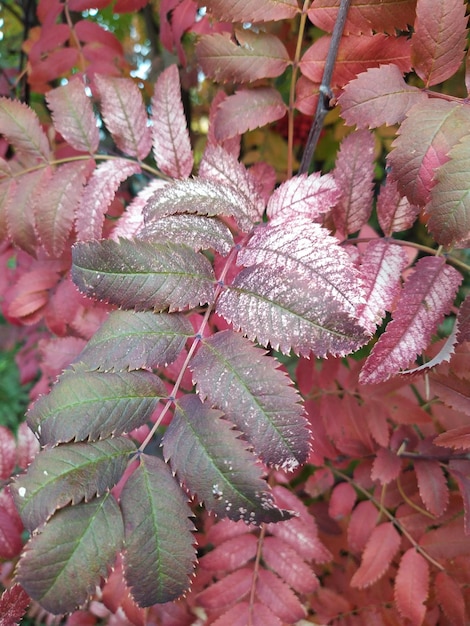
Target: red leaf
x=83, y=5
x=28, y=446
x=244, y=613
x=412, y=587
x=450, y=597
x=13, y=604
x=171, y=144
x=354, y=175
x=285, y=561
x=227, y=591
x=459, y=471
x=432, y=485
x=446, y=542
x=455, y=438
x=31, y=292
x=378, y=96
x=7, y=192
x=452, y=391
x=127, y=6
x=395, y=212
x=253, y=10
x=11, y=529
x=386, y=466
x=311, y=196
x=438, y=42
x=427, y=296
x=7, y=453
x=342, y=500
x=276, y=595
x=20, y=126
x=57, y=63
x=381, y=547
x=231, y=554
x=248, y=109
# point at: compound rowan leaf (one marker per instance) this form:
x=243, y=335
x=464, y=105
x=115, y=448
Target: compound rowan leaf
x=73, y=116
x=380, y=549
x=78, y=543
x=95, y=405
x=412, y=587
x=424, y=140
x=68, y=474
x=142, y=275
x=124, y=114
x=210, y=459
x=253, y=10
x=252, y=56
x=171, y=143
x=394, y=211
x=159, y=552
x=432, y=485
x=21, y=127
x=130, y=340
x=378, y=96
x=243, y=382
x=438, y=41
x=427, y=296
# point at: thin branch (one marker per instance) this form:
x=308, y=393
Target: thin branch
x=326, y=94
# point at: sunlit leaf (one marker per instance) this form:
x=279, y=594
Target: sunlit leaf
x=394, y=211
x=253, y=10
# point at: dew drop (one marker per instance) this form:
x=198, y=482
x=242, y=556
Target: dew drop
x=22, y=492
x=217, y=492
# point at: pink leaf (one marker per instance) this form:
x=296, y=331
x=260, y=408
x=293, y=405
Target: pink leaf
x=13, y=604
x=171, y=144
x=7, y=192
x=227, y=591
x=21, y=127
x=124, y=114
x=450, y=597
x=230, y=145
x=426, y=298
x=381, y=547
x=432, y=485
x=31, y=292
x=73, y=116
x=342, y=501
x=7, y=453
x=276, y=595
x=354, y=176
x=455, y=438
x=438, y=42
x=412, y=587
x=386, y=466
x=361, y=525
x=285, y=561
x=10, y=535
x=447, y=541
x=28, y=446
x=231, y=554
x=452, y=391
x=248, y=109
x=394, y=212
x=244, y=613
x=253, y=10
x=378, y=96
x=99, y=194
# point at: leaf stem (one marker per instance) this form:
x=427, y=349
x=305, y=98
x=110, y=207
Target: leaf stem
x=325, y=93
x=257, y=562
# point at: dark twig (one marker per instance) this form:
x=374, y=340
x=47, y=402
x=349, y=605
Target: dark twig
x=326, y=93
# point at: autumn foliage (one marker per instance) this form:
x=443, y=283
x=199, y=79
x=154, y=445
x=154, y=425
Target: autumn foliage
x=250, y=395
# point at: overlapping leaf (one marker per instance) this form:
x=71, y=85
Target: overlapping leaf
x=131, y=340
x=77, y=544
x=394, y=211
x=210, y=459
x=159, y=556
x=253, y=10
x=84, y=405
x=21, y=127
x=142, y=275
x=381, y=547
x=240, y=380
x=412, y=586
x=68, y=474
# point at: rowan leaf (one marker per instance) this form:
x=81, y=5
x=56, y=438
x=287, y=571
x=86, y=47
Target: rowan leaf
x=439, y=38
x=68, y=474
x=159, y=552
x=95, y=405
x=124, y=114
x=378, y=96
x=247, y=109
x=7, y=191
x=73, y=116
x=98, y=195
x=287, y=563
x=454, y=438
x=412, y=587
x=450, y=597
x=354, y=176
x=78, y=543
x=14, y=603
x=253, y=10
x=20, y=126
x=253, y=55
x=227, y=591
x=210, y=459
x=361, y=525
x=130, y=340
x=244, y=612
x=278, y=597
x=380, y=549
x=143, y=275
x=453, y=391
x=171, y=143
x=432, y=485
x=427, y=296
x=394, y=211
x=243, y=382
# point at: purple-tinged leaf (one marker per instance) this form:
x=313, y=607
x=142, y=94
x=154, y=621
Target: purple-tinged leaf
x=354, y=176
x=243, y=382
x=311, y=196
x=21, y=127
x=394, y=211
x=210, y=459
x=95, y=405
x=124, y=114
x=171, y=143
x=73, y=116
x=68, y=474
x=56, y=205
x=253, y=10
x=427, y=296
x=159, y=552
x=248, y=109
x=142, y=275
x=449, y=207
x=444, y=355
x=427, y=134
x=133, y=217
x=219, y=165
x=13, y=605
x=77, y=544
x=439, y=38
x=378, y=96
x=203, y=197
x=98, y=195
x=197, y=231
x=130, y=340
x=381, y=269
x=252, y=56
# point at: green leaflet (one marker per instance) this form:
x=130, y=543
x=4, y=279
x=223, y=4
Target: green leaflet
x=62, y=564
x=160, y=555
